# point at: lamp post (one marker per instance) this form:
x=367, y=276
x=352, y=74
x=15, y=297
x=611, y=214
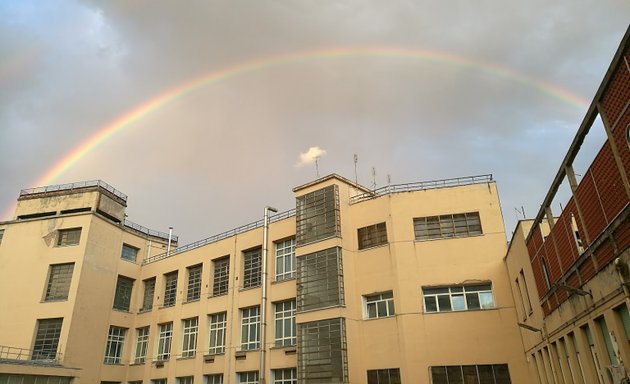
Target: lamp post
x=263, y=306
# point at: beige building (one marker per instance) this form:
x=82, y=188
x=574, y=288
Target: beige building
x=404, y=284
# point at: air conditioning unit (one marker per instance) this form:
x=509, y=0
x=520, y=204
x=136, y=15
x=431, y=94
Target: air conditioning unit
x=617, y=374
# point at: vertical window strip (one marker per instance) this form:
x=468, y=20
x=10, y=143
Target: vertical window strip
x=189, y=337
x=285, y=323
x=218, y=325
x=250, y=328
x=115, y=342
x=142, y=345
x=193, y=292
x=317, y=215
x=285, y=259
x=164, y=341
x=320, y=280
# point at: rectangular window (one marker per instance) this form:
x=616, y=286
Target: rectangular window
x=129, y=253
x=142, y=344
x=1, y=235
x=285, y=259
x=189, y=337
x=285, y=323
x=284, y=376
x=381, y=305
x=213, y=379
x=218, y=326
x=47, y=339
x=457, y=374
x=165, y=337
x=317, y=215
x=159, y=381
x=372, y=236
x=59, y=278
x=603, y=327
x=247, y=377
x=115, y=342
x=385, y=376
x=320, y=280
x=624, y=317
x=193, y=293
x=252, y=262
x=447, y=226
x=250, y=328
x=526, y=291
x=461, y=298
x=170, y=289
x=149, y=291
x=70, y=236
x=323, y=341
x=221, y=276
x=185, y=380
x=122, y=299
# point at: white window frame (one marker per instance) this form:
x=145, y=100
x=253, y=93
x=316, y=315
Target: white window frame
x=185, y=380
x=250, y=328
x=115, y=345
x=250, y=377
x=285, y=327
x=142, y=345
x=285, y=259
x=379, y=305
x=284, y=376
x=165, y=338
x=218, y=327
x=190, y=329
x=455, y=298
x=213, y=378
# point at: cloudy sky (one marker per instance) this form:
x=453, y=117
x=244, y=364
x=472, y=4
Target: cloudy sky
x=245, y=93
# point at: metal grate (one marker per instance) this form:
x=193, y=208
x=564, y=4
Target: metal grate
x=252, y=263
x=322, y=351
x=221, y=276
x=193, y=292
x=170, y=289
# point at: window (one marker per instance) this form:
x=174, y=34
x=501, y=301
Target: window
x=381, y=305
x=285, y=259
x=317, y=215
x=250, y=328
x=526, y=289
x=217, y=333
x=6, y=378
x=248, y=377
x=59, y=277
x=189, y=337
x=320, y=280
x=47, y=339
x=142, y=345
x=1, y=235
x=147, y=299
x=251, y=268
x=545, y=272
x=284, y=376
x=383, y=376
x=114, y=348
x=170, y=289
x=462, y=298
x=69, y=236
x=603, y=327
x=159, y=381
x=221, y=276
x=372, y=236
x=323, y=341
x=624, y=317
x=185, y=380
x=194, y=283
x=164, y=341
x=285, y=323
x=447, y=226
x=129, y=253
x=451, y=374
x=213, y=379
x=122, y=299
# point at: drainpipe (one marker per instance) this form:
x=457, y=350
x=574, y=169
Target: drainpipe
x=263, y=307
x=170, y=236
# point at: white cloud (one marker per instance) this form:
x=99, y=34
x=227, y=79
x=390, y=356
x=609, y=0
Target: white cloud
x=309, y=156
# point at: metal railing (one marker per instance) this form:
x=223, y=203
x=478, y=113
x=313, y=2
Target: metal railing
x=220, y=236
x=147, y=231
x=422, y=185
x=71, y=186
x=28, y=356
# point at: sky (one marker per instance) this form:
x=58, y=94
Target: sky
x=204, y=112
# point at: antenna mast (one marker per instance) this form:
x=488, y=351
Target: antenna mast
x=317, y=165
x=356, y=177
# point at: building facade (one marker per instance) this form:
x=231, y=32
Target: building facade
x=569, y=271
x=397, y=285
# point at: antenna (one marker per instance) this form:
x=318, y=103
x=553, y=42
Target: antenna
x=389, y=180
x=317, y=165
x=356, y=178
x=373, y=178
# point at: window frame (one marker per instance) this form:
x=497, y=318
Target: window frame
x=128, y=250
x=252, y=267
x=445, y=226
x=148, y=294
x=440, y=293
x=190, y=332
x=68, y=237
x=248, y=377
x=115, y=345
x=213, y=378
x=142, y=345
x=284, y=318
x=250, y=325
x=383, y=376
x=372, y=236
x=283, y=372
x=169, y=298
x=165, y=340
x=46, y=340
x=221, y=276
x=217, y=332
x=285, y=257
x=373, y=301
x=193, y=287
x=122, y=295
x=58, y=282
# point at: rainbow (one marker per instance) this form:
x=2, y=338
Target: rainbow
x=139, y=112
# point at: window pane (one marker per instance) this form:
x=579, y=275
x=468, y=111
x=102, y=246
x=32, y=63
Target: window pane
x=430, y=303
x=444, y=302
x=472, y=300
x=454, y=374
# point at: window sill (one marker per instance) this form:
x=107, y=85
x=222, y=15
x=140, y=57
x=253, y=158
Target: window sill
x=448, y=238
x=121, y=310
x=54, y=300
x=217, y=295
x=373, y=247
x=320, y=309
x=214, y=354
x=192, y=301
x=383, y=317
x=248, y=288
x=137, y=364
x=145, y=310
x=117, y=364
x=167, y=306
x=461, y=311
x=134, y=262
x=187, y=357
x=292, y=346
x=276, y=281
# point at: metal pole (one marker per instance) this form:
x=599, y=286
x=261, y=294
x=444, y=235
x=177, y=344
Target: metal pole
x=263, y=306
x=170, y=236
